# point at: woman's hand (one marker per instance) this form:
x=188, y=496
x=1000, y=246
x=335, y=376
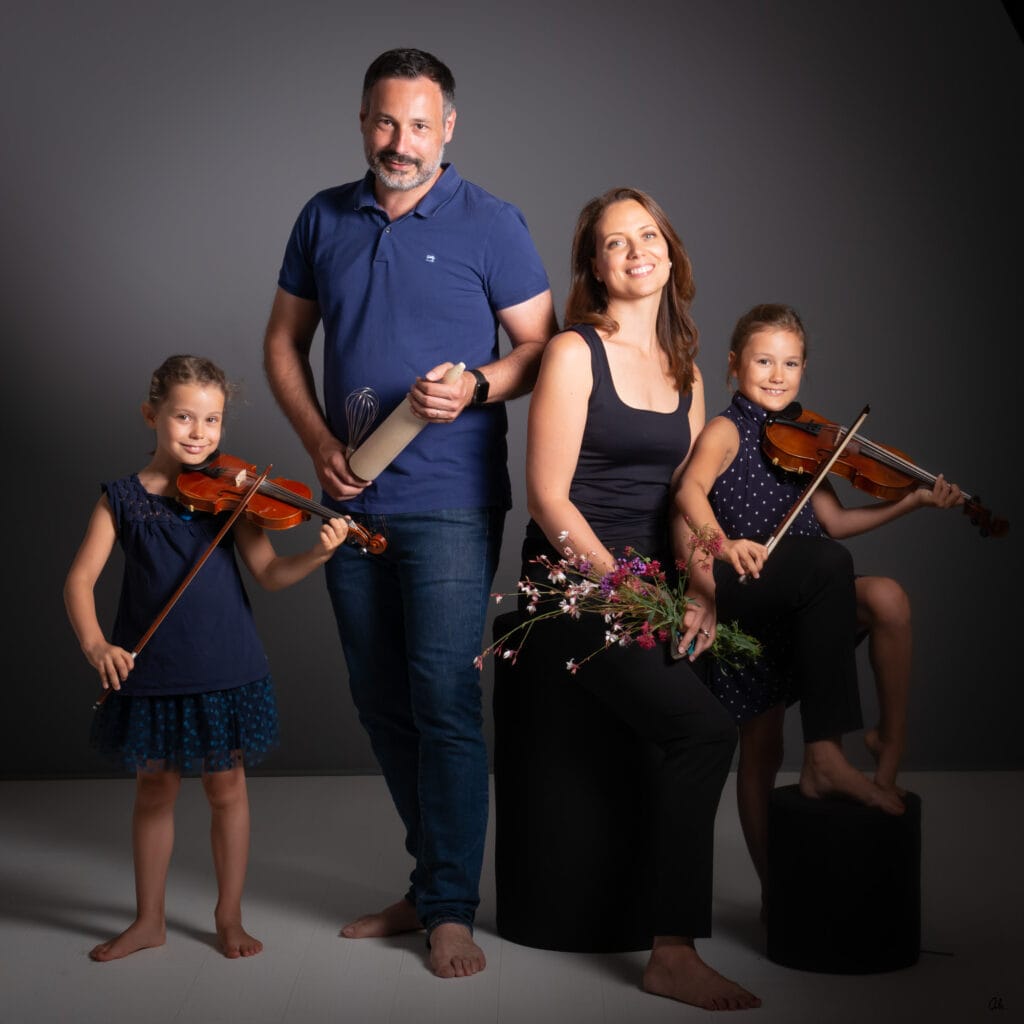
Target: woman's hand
x=699, y=624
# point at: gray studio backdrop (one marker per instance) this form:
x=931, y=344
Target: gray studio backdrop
x=859, y=160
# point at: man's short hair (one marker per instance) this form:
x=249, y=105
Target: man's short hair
x=407, y=63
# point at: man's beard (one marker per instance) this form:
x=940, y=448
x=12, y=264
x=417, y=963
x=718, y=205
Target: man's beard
x=402, y=183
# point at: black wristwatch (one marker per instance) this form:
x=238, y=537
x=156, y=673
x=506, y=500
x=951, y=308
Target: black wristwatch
x=482, y=389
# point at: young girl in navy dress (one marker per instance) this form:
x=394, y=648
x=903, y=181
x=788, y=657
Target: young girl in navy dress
x=730, y=480
x=198, y=696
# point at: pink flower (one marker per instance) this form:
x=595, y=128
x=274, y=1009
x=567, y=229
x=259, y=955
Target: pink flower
x=637, y=602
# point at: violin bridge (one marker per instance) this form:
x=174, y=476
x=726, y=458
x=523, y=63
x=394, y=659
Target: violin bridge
x=240, y=477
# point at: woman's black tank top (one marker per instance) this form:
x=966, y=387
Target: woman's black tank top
x=626, y=460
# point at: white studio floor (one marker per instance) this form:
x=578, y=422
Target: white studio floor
x=328, y=848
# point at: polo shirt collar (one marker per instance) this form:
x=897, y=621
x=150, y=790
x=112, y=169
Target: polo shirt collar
x=441, y=191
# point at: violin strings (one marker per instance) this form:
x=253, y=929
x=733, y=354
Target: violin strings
x=307, y=505
x=289, y=497
x=890, y=459
x=886, y=457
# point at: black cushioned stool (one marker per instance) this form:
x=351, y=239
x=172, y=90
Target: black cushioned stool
x=843, y=892
x=572, y=805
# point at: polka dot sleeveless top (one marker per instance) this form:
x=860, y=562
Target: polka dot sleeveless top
x=751, y=498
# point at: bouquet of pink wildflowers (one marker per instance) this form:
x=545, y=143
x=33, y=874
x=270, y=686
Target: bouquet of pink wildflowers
x=636, y=600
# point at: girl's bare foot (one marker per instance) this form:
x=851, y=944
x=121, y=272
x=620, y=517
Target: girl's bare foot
x=138, y=935
x=677, y=972
x=826, y=772
x=399, y=917
x=234, y=941
x=453, y=953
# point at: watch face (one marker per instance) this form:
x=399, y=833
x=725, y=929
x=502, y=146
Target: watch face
x=483, y=386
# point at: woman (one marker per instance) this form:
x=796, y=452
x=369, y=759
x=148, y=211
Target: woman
x=616, y=406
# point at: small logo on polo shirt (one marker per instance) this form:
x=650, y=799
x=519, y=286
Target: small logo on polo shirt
x=430, y=258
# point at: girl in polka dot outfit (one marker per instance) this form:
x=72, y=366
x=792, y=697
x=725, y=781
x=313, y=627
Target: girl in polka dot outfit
x=730, y=483
x=198, y=694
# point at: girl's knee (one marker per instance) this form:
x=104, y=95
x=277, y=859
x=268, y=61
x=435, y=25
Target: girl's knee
x=834, y=559
x=156, y=788
x=828, y=567
x=225, y=789
x=882, y=601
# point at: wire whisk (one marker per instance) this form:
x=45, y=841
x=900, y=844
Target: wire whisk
x=361, y=408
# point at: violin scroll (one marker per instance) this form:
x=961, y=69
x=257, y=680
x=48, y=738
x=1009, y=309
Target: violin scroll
x=988, y=525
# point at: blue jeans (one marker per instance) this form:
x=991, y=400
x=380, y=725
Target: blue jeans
x=411, y=622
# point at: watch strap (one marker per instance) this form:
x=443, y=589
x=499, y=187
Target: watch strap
x=482, y=389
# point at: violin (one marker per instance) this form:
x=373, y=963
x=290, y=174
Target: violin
x=798, y=441
x=221, y=483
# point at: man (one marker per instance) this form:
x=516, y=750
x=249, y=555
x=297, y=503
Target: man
x=412, y=269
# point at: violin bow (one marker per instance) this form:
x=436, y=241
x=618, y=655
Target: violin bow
x=229, y=522
x=822, y=471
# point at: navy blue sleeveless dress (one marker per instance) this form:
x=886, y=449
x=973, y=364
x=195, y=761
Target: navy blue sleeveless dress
x=199, y=695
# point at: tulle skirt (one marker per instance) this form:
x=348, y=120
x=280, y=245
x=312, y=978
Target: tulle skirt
x=196, y=732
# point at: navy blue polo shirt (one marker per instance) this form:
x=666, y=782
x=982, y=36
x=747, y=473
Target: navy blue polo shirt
x=399, y=297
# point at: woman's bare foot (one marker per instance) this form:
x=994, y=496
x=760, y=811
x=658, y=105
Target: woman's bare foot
x=453, y=953
x=677, y=972
x=399, y=917
x=887, y=757
x=826, y=772
x=234, y=941
x=138, y=935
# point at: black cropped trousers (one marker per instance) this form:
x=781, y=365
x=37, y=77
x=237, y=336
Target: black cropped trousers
x=805, y=594
x=666, y=702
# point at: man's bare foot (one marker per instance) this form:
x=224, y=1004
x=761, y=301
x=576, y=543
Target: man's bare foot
x=826, y=772
x=138, y=935
x=399, y=917
x=677, y=972
x=234, y=941
x=453, y=953
x=887, y=757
